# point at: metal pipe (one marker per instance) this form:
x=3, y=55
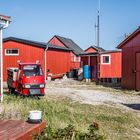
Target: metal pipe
x=1, y=63
x=45, y=61
x=98, y=42
x=4, y=23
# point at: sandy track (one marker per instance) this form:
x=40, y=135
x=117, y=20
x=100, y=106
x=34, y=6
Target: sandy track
x=72, y=89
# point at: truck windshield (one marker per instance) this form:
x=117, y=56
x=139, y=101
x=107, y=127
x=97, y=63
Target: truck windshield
x=32, y=70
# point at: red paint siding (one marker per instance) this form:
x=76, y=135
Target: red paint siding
x=74, y=64
x=129, y=51
x=112, y=70
x=58, y=62
x=84, y=60
x=90, y=50
x=27, y=53
x=55, y=41
x=74, y=61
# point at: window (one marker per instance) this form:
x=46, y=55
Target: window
x=32, y=70
x=105, y=59
x=11, y=51
x=77, y=59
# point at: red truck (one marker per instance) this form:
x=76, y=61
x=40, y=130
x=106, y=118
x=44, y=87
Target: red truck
x=26, y=80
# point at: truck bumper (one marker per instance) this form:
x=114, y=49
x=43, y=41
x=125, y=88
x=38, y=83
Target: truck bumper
x=33, y=92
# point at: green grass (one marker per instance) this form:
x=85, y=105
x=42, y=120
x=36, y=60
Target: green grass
x=114, y=123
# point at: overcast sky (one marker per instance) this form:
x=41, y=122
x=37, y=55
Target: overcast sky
x=40, y=20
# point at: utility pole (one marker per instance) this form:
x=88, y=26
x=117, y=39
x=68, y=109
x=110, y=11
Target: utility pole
x=98, y=43
x=98, y=25
x=4, y=23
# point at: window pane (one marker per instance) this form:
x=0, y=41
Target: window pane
x=105, y=59
x=12, y=51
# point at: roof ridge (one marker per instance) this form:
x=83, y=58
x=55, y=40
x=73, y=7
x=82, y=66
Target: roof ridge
x=11, y=37
x=129, y=37
x=62, y=37
x=36, y=43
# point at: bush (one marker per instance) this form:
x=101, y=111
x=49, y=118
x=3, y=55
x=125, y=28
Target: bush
x=69, y=133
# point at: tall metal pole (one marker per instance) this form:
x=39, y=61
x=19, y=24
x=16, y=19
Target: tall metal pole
x=98, y=42
x=1, y=64
x=98, y=25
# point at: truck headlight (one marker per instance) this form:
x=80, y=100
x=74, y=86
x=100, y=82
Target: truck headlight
x=41, y=85
x=27, y=86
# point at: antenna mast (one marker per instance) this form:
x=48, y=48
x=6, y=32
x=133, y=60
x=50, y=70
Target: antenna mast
x=98, y=42
x=98, y=25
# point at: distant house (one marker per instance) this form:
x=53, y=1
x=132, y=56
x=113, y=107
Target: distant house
x=57, y=57
x=104, y=65
x=70, y=44
x=93, y=49
x=131, y=61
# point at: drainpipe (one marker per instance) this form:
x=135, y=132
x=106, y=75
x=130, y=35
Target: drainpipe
x=45, y=61
x=1, y=62
x=3, y=24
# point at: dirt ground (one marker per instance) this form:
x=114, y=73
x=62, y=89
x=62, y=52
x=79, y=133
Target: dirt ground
x=89, y=93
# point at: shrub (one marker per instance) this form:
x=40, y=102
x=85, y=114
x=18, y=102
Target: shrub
x=69, y=133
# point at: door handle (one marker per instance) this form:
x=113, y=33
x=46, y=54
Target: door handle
x=134, y=71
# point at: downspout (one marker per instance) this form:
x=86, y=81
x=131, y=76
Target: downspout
x=1, y=62
x=2, y=26
x=45, y=61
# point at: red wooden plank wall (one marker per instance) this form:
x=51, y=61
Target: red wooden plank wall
x=58, y=62
x=55, y=41
x=27, y=53
x=112, y=70
x=90, y=50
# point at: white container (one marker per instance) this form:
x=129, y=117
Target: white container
x=49, y=78
x=35, y=115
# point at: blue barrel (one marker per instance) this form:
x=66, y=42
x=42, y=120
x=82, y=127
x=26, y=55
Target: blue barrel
x=87, y=72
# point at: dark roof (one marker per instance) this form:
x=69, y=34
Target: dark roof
x=87, y=54
x=35, y=43
x=96, y=48
x=137, y=31
x=110, y=51
x=70, y=44
x=96, y=53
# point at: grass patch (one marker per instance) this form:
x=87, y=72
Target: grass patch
x=59, y=113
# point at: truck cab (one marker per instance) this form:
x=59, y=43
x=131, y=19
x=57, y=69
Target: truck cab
x=29, y=79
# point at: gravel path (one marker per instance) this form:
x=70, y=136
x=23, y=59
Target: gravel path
x=61, y=89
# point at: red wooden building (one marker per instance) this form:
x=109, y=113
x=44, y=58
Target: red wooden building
x=93, y=49
x=108, y=67
x=68, y=43
x=131, y=61
x=57, y=57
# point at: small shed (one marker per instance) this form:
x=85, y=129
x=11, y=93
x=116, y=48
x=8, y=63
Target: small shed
x=57, y=58
x=69, y=43
x=109, y=66
x=131, y=61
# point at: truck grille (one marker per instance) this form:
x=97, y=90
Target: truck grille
x=35, y=86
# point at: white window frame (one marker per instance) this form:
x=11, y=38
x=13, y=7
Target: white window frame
x=103, y=55
x=6, y=54
x=77, y=58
